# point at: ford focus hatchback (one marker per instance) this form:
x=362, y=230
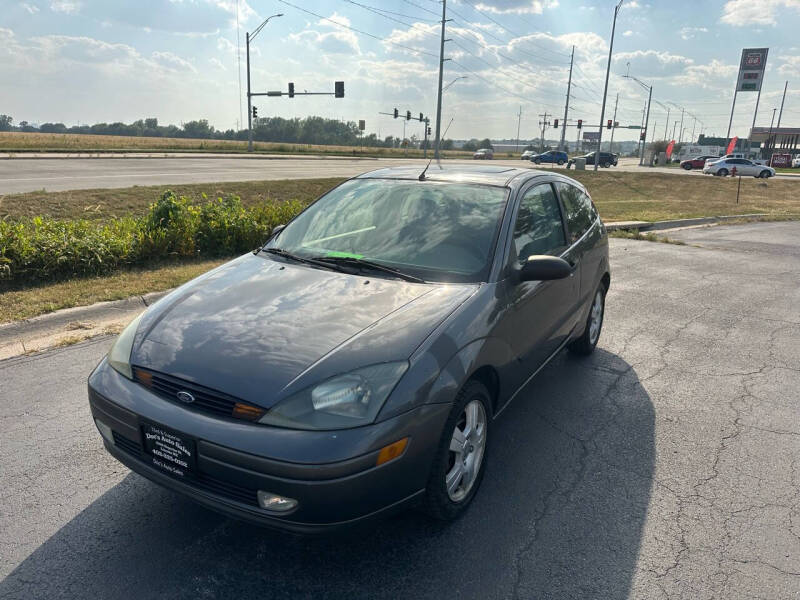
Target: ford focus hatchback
x=355, y=363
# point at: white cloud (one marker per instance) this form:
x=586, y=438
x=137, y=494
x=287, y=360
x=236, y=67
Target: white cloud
x=715, y=75
x=69, y=7
x=217, y=63
x=535, y=7
x=173, y=62
x=688, y=33
x=32, y=9
x=339, y=41
x=740, y=13
x=790, y=66
x=627, y=33
x=653, y=63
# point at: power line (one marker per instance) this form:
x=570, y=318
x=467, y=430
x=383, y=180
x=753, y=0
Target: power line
x=375, y=37
x=380, y=11
x=421, y=7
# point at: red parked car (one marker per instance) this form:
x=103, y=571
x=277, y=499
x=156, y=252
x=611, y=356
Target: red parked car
x=698, y=162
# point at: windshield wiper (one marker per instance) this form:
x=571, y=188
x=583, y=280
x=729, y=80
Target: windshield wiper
x=367, y=264
x=308, y=261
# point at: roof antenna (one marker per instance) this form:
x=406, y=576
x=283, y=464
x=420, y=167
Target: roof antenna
x=422, y=175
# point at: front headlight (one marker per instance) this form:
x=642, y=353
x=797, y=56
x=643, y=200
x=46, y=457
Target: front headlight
x=344, y=401
x=119, y=357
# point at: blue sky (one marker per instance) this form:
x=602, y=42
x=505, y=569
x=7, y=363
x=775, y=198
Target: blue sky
x=96, y=60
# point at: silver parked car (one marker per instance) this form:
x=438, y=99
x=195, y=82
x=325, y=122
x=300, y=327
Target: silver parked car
x=742, y=166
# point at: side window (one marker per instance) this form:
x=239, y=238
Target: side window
x=538, y=229
x=579, y=210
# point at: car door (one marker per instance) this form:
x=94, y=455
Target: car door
x=584, y=233
x=539, y=314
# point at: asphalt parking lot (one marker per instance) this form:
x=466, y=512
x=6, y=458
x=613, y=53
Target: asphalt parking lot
x=667, y=465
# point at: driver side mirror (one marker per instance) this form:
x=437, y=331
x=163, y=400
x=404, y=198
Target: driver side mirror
x=542, y=267
x=276, y=230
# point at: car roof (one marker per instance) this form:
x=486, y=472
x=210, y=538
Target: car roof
x=480, y=174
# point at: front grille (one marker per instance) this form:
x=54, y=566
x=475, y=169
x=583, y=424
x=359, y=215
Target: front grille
x=199, y=480
x=205, y=399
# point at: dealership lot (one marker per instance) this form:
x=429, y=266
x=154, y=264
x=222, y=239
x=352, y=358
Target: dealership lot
x=667, y=465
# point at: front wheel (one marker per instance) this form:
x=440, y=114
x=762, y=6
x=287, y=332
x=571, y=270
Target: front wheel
x=460, y=458
x=722, y=172
x=765, y=174
x=561, y=162
x=537, y=161
x=687, y=167
x=605, y=165
x=586, y=344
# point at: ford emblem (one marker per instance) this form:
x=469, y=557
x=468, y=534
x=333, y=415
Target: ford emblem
x=185, y=397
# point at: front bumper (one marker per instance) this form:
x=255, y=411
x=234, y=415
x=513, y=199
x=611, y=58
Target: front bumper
x=332, y=474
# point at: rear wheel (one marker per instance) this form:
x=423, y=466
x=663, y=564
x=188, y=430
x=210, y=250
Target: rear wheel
x=561, y=162
x=722, y=172
x=687, y=166
x=458, y=467
x=586, y=344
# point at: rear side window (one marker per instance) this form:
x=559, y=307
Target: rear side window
x=579, y=210
x=538, y=229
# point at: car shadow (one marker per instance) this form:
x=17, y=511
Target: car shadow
x=560, y=514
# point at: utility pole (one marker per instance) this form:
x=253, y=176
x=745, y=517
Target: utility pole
x=694, y=124
x=674, y=125
x=613, y=124
x=771, y=123
x=566, y=106
x=543, y=123
x=519, y=122
x=605, y=88
x=780, y=114
x=441, y=74
x=680, y=135
x=646, y=125
x=666, y=125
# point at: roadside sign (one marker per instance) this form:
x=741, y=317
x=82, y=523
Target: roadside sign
x=751, y=69
x=362, y=125
x=781, y=160
x=591, y=136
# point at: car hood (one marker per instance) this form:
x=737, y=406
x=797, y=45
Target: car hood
x=257, y=325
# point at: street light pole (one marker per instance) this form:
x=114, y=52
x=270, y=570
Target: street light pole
x=248, y=38
x=605, y=88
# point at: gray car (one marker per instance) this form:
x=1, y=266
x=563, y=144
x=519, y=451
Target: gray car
x=354, y=364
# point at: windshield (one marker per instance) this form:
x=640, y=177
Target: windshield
x=435, y=231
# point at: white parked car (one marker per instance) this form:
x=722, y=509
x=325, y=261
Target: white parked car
x=725, y=166
x=527, y=154
x=796, y=162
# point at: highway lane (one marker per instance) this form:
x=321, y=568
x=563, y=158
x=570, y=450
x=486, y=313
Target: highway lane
x=667, y=465
x=25, y=175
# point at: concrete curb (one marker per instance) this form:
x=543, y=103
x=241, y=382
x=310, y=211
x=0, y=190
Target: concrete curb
x=659, y=225
x=39, y=333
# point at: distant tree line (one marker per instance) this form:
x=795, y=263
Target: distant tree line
x=309, y=130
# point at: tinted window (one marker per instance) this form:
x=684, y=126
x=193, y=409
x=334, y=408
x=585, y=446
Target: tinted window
x=579, y=210
x=437, y=231
x=538, y=229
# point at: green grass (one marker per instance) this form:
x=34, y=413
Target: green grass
x=133, y=201
x=25, y=301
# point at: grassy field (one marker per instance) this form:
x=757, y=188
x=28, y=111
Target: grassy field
x=619, y=195
x=17, y=141
x=29, y=301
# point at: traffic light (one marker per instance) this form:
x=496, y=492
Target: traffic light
x=555, y=123
x=255, y=112
x=339, y=89
x=609, y=123
x=408, y=115
x=291, y=90
x=395, y=113
x=642, y=135
x=580, y=123
x=429, y=130
x=421, y=117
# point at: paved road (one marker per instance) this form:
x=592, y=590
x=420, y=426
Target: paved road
x=667, y=465
x=25, y=175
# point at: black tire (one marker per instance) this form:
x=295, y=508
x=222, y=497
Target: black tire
x=437, y=502
x=764, y=174
x=722, y=172
x=585, y=345
x=537, y=161
x=687, y=166
x=605, y=165
x=560, y=162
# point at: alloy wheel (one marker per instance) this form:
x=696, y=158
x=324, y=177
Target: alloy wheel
x=467, y=447
x=596, y=317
